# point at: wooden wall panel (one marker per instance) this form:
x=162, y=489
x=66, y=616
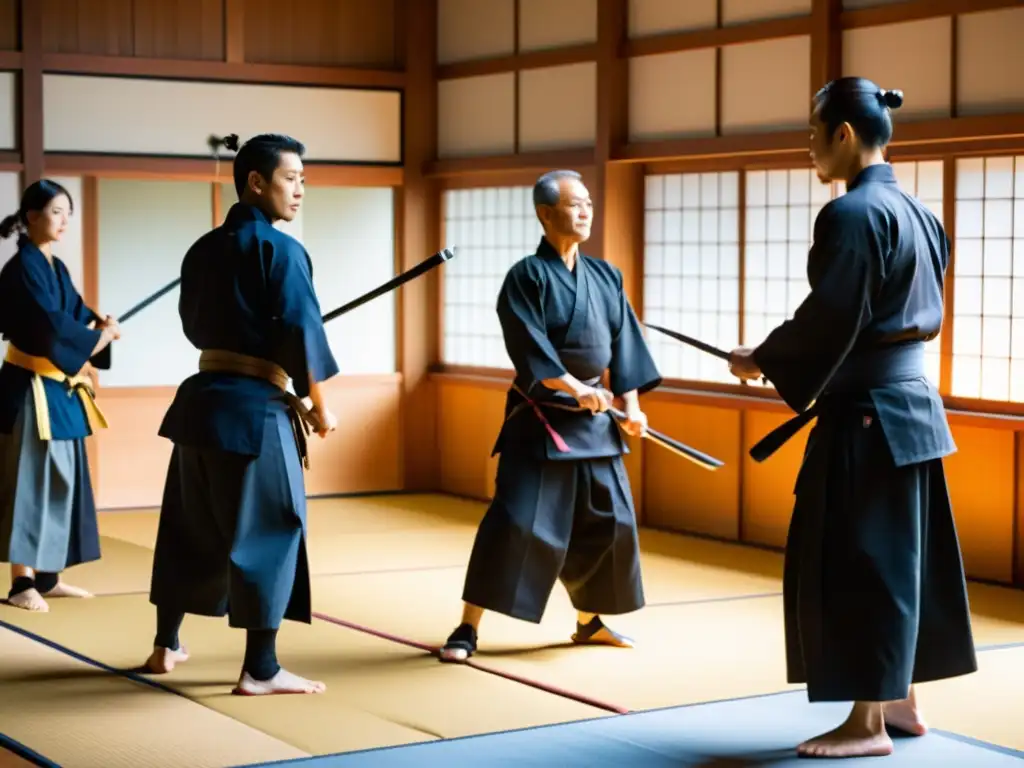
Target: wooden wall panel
x=545, y=25
x=982, y=488
x=322, y=32
x=915, y=57
x=570, y=92
x=655, y=17
x=744, y=500
x=470, y=29
x=184, y=29
x=765, y=85
x=131, y=457
x=469, y=418
x=767, y=493
x=672, y=95
x=476, y=116
x=9, y=25
x=679, y=495
x=743, y=11
x=990, y=62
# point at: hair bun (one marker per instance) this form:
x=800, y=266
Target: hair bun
x=9, y=225
x=892, y=99
x=231, y=142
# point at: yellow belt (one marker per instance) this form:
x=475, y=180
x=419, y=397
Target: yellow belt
x=44, y=369
x=234, y=362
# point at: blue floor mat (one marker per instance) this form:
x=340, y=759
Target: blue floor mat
x=755, y=731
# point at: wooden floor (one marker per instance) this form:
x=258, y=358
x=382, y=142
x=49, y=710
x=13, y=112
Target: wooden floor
x=387, y=581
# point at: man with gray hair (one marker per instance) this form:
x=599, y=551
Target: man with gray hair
x=562, y=508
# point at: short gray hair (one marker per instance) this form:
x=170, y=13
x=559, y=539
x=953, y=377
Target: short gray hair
x=546, y=191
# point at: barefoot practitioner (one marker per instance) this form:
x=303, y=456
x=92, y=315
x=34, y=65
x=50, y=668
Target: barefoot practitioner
x=875, y=595
x=232, y=535
x=562, y=508
x=47, y=512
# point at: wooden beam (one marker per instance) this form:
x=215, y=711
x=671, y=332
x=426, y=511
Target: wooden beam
x=735, y=34
x=419, y=236
x=185, y=69
x=758, y=144
x=540, y=161
x=234, y=31
x=10, y=60
x=531, y=60
x=196, y=169
x=972, y=413
x=972, y=128
x=925, y=135
x=916, y=10
x=31, y=109
x=983, y=134
x=10, y=161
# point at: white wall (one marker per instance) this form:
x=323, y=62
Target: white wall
x=8, y=117
x=145, y=228
x=130, y=116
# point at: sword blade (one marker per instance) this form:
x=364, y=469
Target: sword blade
x=149, y=300
x=720, y=353
x=699, y=458
x=411, y=274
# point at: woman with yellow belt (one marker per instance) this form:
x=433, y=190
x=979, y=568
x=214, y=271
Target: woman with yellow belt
x=47, y=511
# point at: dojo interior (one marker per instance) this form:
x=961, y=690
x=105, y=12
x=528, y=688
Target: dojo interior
x=427, y=122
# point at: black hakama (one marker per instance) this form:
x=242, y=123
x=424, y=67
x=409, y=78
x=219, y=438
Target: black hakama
x=563, y=508
x=232, y=534
x=874, y=587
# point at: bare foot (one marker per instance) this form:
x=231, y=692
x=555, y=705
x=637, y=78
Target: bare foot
x=29, y=600
x=67, y=590
x=848, y=740
x=163, y=660
x=905, y=716
x=283, y=682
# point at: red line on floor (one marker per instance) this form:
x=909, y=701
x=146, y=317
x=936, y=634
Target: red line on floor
x=433, y=650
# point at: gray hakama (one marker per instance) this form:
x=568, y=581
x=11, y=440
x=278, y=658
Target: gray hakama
x=47, y=512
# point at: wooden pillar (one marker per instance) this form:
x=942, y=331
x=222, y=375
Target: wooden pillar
x=826, y=43
x=618, y=188
x=418, y=210
x=31, y=111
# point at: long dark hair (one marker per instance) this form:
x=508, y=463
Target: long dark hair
x=862, y=104
x=36, y=197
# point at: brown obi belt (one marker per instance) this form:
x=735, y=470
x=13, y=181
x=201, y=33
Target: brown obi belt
x=302, y=418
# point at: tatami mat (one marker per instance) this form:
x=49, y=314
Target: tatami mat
x=124, y=567
x=712, y=630
x=81, y=717
x=13, y=754
x=747, y=732
x=684, y=653
x=379, y=692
